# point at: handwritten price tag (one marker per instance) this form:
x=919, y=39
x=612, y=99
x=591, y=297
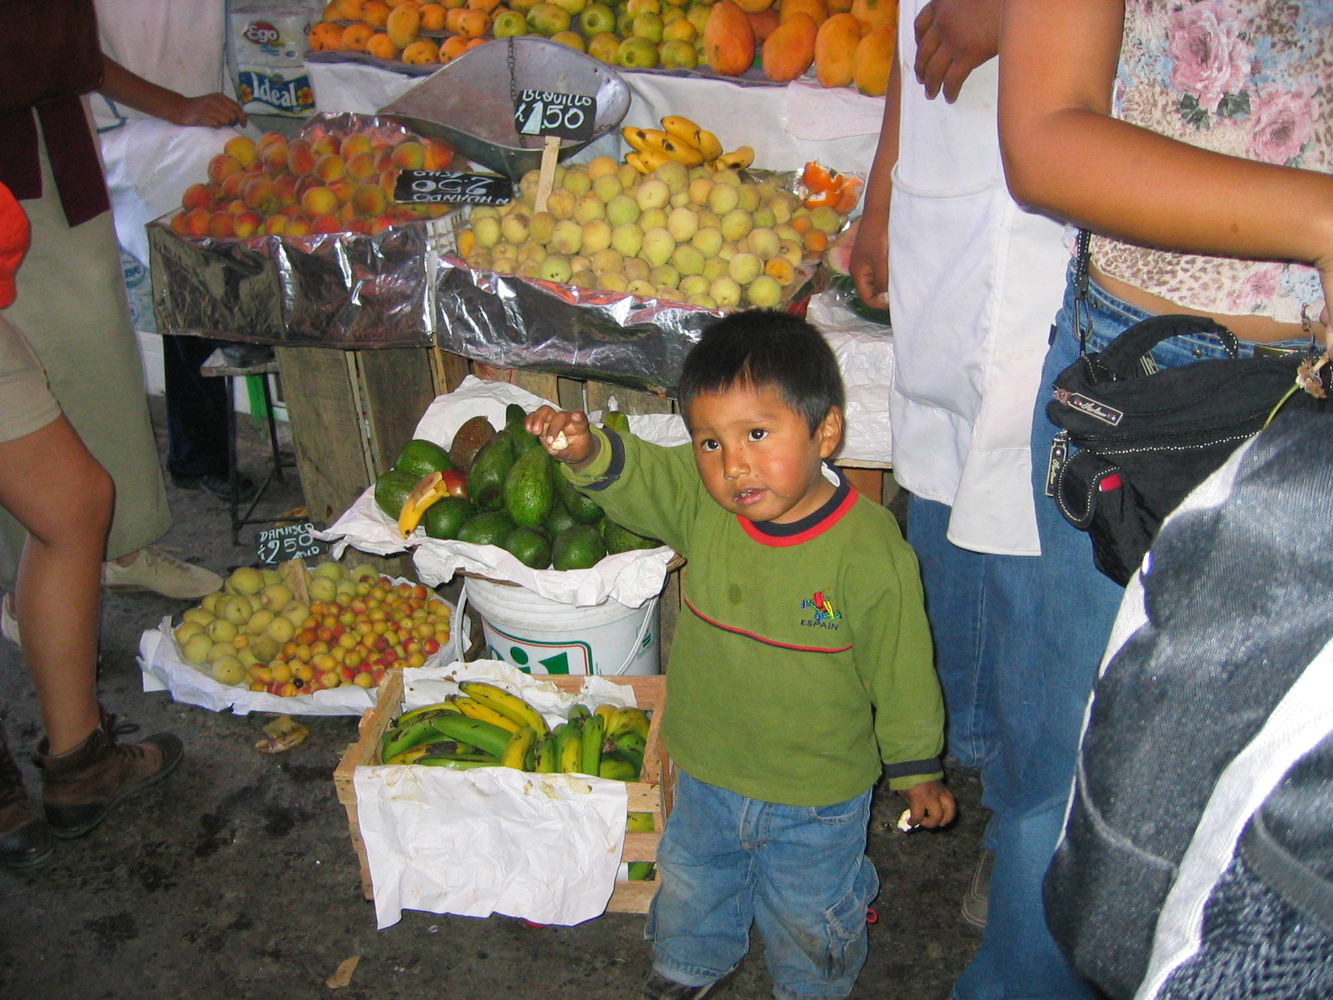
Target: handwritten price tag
x=436, y=186
x=550, y=112
x=294, y=541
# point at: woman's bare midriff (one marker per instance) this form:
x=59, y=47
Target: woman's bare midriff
x=1256, y=329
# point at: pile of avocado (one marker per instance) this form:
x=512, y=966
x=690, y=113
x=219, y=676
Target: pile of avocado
x=515, y=497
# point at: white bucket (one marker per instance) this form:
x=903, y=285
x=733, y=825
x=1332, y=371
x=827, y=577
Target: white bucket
x=542, y=636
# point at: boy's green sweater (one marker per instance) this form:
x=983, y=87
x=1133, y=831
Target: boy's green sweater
x=802, y=657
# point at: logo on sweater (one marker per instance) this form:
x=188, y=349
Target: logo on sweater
x=826, y=615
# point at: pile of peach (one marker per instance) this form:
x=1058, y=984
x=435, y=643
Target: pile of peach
x=324, y=184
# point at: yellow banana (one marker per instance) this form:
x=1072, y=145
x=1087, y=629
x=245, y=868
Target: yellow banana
x=506, y=704
x=409, y=756
x=682, y=128
x=474, y=709
x=568, y=748
x=428, y=489
x=624, y=720
x=639, y=823
x=642, y=138
x=605, y=711
x=426, y=710
x=709, y=145
x=647, y=160
x=662, y=142
x=517, y=748
x=737, y=159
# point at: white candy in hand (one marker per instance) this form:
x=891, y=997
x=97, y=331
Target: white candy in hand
x=905, y=823
x=560, y=443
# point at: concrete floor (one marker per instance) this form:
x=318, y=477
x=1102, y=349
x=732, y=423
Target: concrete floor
x=236, y=879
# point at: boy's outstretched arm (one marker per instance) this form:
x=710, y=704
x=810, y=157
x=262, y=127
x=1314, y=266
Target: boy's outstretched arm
x=566, y=436
x=932, y=804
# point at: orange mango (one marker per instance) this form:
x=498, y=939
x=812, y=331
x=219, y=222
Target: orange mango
x=876, y=13
x=835, y=50
x=403, y=25
x=817, y=9
x=763, y=24
x=728, y=39
x=790, y=49
x=873, y=59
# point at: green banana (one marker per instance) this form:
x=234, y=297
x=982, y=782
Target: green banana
x=640, y=823
x=482, y=735
x=505, y=703
x=593, y=732
x=409, y=756
x=457, y=765
x=640, y=870
x=568, y=748
x=425, y=712
x=627, y=720
x=628, y=745
x=617, y=768
x=401, y=738
x=517, y=747
x=546, y=755
x=578, y=712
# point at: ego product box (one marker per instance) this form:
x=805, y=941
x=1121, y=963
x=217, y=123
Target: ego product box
x=268, y=45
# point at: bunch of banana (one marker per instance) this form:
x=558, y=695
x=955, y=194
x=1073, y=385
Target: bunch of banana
x=683, y=141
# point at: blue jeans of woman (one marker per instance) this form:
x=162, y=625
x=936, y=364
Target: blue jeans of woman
x=1035, y=713
x=799, y=873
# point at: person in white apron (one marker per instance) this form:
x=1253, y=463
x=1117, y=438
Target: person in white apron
x=975, y=281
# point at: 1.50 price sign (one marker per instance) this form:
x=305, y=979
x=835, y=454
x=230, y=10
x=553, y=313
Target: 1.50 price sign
x=293, y=541
x=550, y=112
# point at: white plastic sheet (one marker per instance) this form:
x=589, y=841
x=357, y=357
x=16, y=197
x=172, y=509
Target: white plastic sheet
x=864, y=350
x=545, y=847
x=628, y=577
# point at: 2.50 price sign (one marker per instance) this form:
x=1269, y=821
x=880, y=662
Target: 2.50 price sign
x=550, y=112
x=437, y=186
x=292, y=541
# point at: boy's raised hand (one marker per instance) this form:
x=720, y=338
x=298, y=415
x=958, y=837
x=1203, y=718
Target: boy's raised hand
x=566, y=436
x=932, y=804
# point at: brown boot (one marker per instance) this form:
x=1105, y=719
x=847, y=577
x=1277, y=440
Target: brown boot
x=81, y=787
x=25, y=839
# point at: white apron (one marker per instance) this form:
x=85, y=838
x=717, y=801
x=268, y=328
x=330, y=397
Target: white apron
x=975, y=286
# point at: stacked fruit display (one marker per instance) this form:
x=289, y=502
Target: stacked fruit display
x=847, y=41
x=324, y=184
x=297, y=631
x=487, y=726
x=501, y=488
x=708, y=238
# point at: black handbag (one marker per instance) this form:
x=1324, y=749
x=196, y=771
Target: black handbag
x=1135, y=440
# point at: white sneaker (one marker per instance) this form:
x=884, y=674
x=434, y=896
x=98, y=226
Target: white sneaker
x=9, y=623
x=163, y=574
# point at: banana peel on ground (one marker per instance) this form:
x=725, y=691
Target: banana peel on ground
x=281, y=735
x=430, y=488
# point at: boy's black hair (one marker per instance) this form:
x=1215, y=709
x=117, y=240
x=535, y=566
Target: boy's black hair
x=763, y=348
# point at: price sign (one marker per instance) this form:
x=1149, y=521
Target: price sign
x=293, y=541
x=436, y=186
x=552, y=113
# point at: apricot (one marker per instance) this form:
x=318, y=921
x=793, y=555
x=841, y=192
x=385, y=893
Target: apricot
x=403, y=25
x=274, y=225
x=409, y=155
x=196, y=196
x=268, y=139
x=327, y=224
x=728, y=39
x=815, y=240
x=222, y=166
x=381, y=47
x=178, y=223
x=319, y=201
x=835, y=50
x=196, y=221
x=342, y=187
x=790, y=50
x=242, y=149
x=369, y=199
x=438, y=156
x=422, y=51
x=221, y=225
x=274, y=157
x=326, y=37
x=355, y=37
x=297, y=225
x=262, y=195
x=873, y=58
x=375, y=13
x=246, y=224
x=388, y=179
x=361, y=166
x=325, y=144
x=329, y=167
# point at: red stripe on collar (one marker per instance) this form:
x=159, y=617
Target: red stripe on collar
x=759, y=638
x=781, y=541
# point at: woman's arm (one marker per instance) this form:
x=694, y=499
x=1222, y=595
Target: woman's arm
x=870, y=252
x=124, y=87
x=1065, y=155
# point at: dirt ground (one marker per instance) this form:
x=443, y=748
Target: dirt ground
x=236, y=879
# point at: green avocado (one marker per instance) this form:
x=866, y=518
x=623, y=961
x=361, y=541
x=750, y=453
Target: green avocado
x=490, y=468
x=618, y=538
x=524, y=441
x=530, y=546
x=392, y=490
x=580, y=508
x=528, y=488
x=446, y=516
x=558, y=519
x=577, y=547
x=490, y=527
x=420, y=456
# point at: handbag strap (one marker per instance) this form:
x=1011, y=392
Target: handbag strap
x=1123, y=355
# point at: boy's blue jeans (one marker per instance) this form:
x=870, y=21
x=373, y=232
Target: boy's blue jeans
x=799, y=873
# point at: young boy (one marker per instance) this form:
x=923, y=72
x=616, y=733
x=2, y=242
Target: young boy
x=801, y=660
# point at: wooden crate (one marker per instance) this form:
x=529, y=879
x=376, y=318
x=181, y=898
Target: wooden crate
x=651, y=793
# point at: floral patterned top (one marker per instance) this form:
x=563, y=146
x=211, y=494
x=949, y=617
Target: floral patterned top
x=1250, y=78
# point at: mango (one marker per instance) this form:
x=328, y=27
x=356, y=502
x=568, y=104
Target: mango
x=876, y=13
x=790, y=50
x=403, y=25
x=817, y=9
x=873, y=59
x=728, y=39
x=754, y=6
x=763, y=24
x=835, y=50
